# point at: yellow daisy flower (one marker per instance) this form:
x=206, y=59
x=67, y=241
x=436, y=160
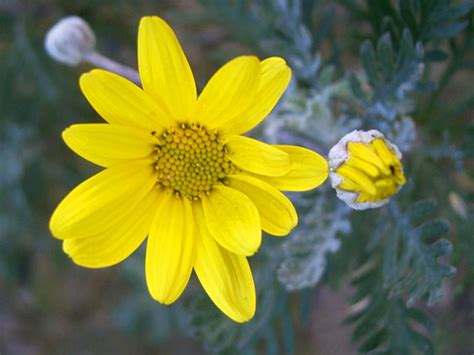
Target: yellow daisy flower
x=178, y=170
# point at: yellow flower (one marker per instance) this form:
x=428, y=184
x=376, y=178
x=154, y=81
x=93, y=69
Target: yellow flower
x=179, y=171
x=366, y=169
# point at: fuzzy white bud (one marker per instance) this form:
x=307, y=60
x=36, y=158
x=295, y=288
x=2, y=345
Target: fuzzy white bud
x=69, y=40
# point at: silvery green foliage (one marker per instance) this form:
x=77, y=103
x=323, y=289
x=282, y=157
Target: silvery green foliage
x=446, y=149
x=297, y=42
x=387, y=288
x=403, y=133
x=306, y=112
x=390, y=76
x=289, y=21
x=322, y=220
x=390, y=79
x=418, y=271
x=388, y=326
x=322, y=217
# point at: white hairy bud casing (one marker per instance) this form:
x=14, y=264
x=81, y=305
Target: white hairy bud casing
x=70, y=40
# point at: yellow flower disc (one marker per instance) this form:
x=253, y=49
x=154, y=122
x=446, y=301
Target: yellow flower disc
x=190, y=160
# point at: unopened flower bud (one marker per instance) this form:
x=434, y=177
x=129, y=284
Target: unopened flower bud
x=365, y=169
x=69, y=40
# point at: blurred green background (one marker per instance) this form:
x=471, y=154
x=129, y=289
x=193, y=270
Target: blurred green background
x=50, y=306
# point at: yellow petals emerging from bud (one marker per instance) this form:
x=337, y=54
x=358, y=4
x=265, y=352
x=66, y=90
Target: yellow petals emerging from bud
x=190, y=160
x=365, y=169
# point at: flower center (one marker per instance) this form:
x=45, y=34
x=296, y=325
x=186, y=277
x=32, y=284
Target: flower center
x=373, y=170
x=190, y=160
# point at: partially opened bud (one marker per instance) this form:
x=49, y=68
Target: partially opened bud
x=365, y=169
x=70, y=40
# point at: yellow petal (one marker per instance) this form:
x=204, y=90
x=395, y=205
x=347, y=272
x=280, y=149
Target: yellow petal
x=363, y=165
x=366, y=152
x=233, y=220
x=308, y=170
x=275, y=76
x=257, y=157
x=119, y=242
x=106, y=145
x=121, y=102
x=98, y=203
x=229, y=93
x=358, y=177
x=171, y=249
x=225, y=276
x=387, y=156
x=164, y=70
x=277, y=213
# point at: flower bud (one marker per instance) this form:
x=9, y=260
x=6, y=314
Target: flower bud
x=365, y=169
x=69, y=40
